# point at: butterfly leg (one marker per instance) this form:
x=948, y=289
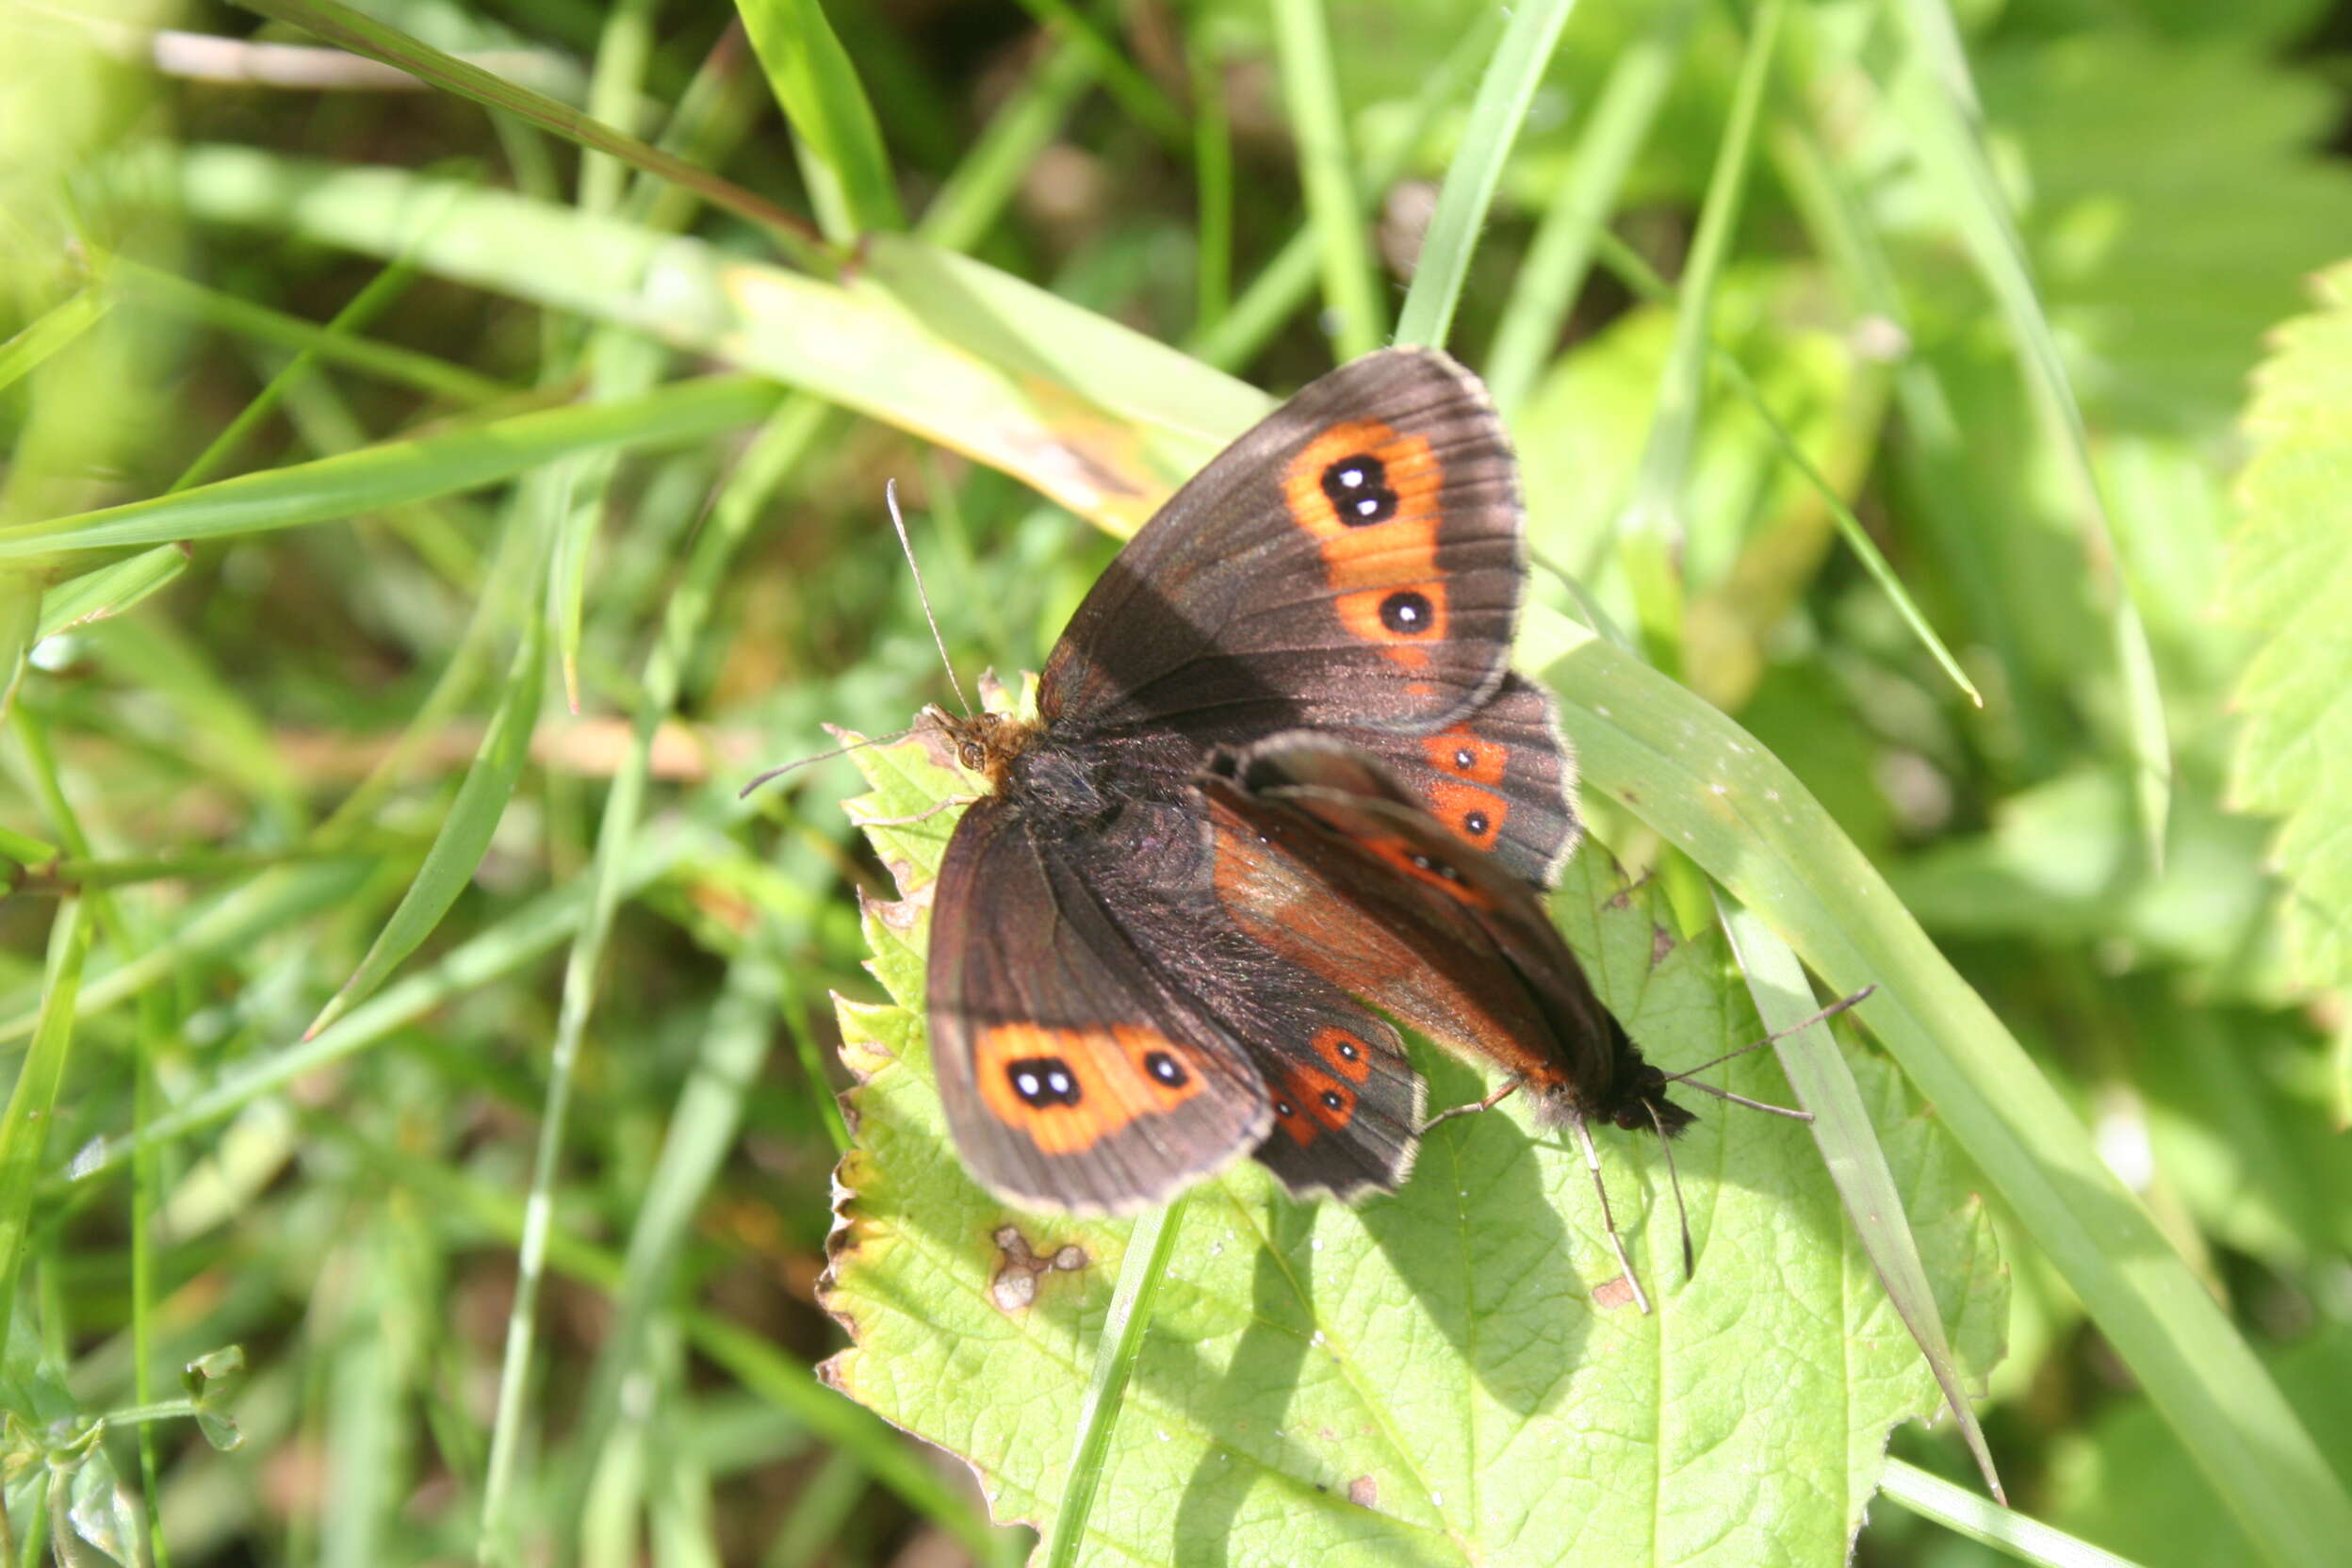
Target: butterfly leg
x=1474, y=1108
x=1608, y=1221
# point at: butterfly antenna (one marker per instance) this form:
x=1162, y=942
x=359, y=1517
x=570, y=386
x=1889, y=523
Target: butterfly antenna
x=820, y=757
x=1609, y=1221
x=1674, y=1179
x=1829, y=1012
x=890, y=498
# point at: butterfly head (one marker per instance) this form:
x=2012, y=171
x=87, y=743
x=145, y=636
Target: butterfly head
x=984, y=743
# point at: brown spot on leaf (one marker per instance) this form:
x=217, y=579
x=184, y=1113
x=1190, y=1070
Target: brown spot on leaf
x=897, y=914
x=1661, y=945
x=1365, y=1492
x=1014, y=1286
x=1612, y=1293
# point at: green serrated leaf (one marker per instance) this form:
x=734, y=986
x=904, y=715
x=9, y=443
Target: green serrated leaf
x=2290, y=568
x=1436, y=1373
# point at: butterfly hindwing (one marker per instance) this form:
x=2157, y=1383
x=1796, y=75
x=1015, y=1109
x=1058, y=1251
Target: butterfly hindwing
x=1075, y=1075
x=1355, y=559
x=1501, y=778
x=1348, y=1105
x=1324, y=856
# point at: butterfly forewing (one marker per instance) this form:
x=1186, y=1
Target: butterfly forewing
x=1356, y=559
x=1076, y=1073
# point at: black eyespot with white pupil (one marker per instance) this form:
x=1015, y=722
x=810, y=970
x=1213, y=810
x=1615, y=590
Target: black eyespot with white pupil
x=1284, y=1108
x=1165, y=1071
x=1334, y=1101
x=1357, y=487
x=1436, y=867
x=1043, y=1081
x=1347, y=1052
x=1406, y=613
x=1475, y=821
x=1464, y=759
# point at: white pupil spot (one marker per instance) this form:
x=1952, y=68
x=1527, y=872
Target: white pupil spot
x=1027, y=1083
x=1347, y=1050
x=1475, y=821
x=1283, y=1108
x=1462, y=758
x=1058, y=1081
x=1367, y=506
x=1351, y=478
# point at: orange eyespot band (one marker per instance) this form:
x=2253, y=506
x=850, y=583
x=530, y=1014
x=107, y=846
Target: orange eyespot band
x=1475, y=815
x=1343, y=1054
x=1310, y=1102
x=1070, y=1088
x=1368, y=495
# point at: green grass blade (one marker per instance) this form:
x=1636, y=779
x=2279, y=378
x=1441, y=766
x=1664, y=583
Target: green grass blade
x=1963, y=1512
x=397, y=473
x=364, y=35
x=270, y=902
x=526, y=934
x=1716, y=795
x=20, y=627
x=362, y=307
x=52, y=330
x=621, y=366
x=976, y=195
x=33, y=1099
x=1501, y=107
x=812, y=76
x=1629, y=265
x=1285, y=283
x=110, y=590
x=464, y=837
x=932, y=343
x=1142, y=1267
x=758, y=985
x=1932, y=93
x=25, y=850
x=784, y=443
x=1138, y=95
x=1318, y=118
x=1650, y=531
x=227, y=313
x=752, y=1360
x=1855, y=1159
x=700, y=1134
x=1562, y=252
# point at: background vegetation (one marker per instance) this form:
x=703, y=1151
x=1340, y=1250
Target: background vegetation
x=406, y=552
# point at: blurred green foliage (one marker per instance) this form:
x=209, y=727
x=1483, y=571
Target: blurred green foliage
x=520, y=1241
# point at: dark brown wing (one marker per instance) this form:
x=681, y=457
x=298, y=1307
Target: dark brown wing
x=1357, y=558
x=1075, y=1074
